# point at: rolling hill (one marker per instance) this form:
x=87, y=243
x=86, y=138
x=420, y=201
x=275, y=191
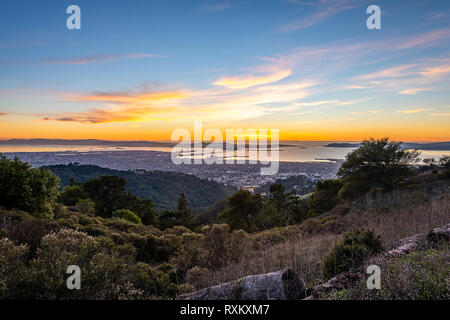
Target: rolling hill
x=163, y=188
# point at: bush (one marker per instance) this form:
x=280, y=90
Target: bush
x=70, y=195
x=355, y=246
x=325, y=197
x=26, y=188
x=421, y=275
x=12, y=264
x=127, y=215
x=86, y=206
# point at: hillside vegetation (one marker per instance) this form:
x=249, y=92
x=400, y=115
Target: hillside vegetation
x=128, y=250
x=162, y=187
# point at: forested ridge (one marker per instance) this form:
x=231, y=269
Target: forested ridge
x=163, y=188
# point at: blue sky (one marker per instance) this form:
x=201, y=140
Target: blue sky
x=140, y=69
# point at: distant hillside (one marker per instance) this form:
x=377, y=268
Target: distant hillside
x=445, y=145
x=343, y=145
x=163, y=188
x=428, y=146
x=84, y=142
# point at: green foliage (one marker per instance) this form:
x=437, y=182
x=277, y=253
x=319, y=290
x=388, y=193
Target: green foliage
x=180, y=217
x=12, y=264
x=297, y=210
x=377, y=163
x=126, y=215
x=355, y=246
x=106, y=192
x=421, y=275
x=163, y=188
x=23, y=187
x=70, y=195
x=108, y=271
x=325, y=197
x=86, y=206
x=242, y=211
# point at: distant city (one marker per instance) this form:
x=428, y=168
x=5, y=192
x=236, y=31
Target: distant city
x=236, y=175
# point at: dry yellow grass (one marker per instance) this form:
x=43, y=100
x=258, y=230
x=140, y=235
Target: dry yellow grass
x=304, y=252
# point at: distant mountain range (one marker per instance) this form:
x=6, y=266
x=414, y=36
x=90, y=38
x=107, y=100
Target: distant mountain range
x=85, y=142
x=98, y=143
x=408, y=145
x=163, y=188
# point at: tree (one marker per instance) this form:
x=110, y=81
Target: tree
x=297, y=210
x=107, y=193
x=184, y=211
x=376, y=163
x=243, y=209
x=444, y=162
x=430, y=162
x=144, y=209
x=278, y=197
x=325, y=197
x=71, y=194
x=182, y=216
x=26, y=188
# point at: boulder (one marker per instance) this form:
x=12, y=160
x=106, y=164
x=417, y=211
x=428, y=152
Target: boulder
x=279, y=285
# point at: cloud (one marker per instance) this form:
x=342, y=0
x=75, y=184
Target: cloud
x=247, y=81
x=2, y=114
x=214, y=8
x=442, y=114
x=416, y=110
x=183, y=104
x=105, y=58
x=410, y=79
x=394, y=72
x=324, y=10
x=436, y=71
x=413, y=91
x=424, y=39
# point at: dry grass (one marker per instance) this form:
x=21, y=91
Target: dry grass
x=304, y=253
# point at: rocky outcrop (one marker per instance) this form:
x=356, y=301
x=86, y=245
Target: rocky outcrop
x=343, y=280
x=280, y=285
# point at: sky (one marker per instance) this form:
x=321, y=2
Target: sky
x=140, y=69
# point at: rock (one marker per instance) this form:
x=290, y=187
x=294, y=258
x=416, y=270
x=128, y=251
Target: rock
x=438, y=236
x=279, y=285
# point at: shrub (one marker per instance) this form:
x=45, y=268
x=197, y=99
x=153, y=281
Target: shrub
x=70, y=195
x=325, y=197
x=126, y=215
x=86, y=206
x=26, y=188
x=355, y=246
x=421, y=275
x=12, y=264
